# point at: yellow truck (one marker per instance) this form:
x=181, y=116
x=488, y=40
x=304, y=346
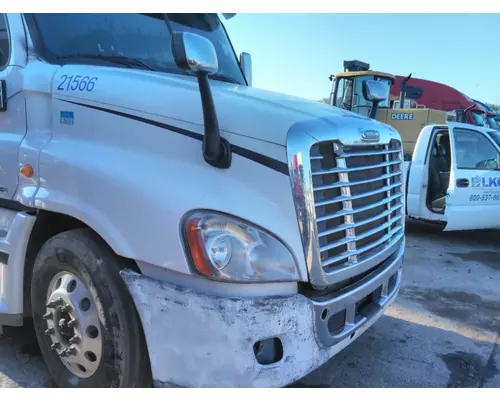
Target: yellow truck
x=348, y=93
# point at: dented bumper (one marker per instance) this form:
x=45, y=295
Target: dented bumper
x=197, y=340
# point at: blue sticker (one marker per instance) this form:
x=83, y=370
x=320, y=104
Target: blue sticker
x=67, y=118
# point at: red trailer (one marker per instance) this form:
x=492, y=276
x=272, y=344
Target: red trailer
x=439, y=96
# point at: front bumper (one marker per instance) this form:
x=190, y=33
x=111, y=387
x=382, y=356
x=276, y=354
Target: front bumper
x=197, y=340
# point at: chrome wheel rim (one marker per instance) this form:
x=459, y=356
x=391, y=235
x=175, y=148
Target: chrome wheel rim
x=73, y=324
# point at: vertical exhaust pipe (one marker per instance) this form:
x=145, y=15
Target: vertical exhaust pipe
x=403, y=91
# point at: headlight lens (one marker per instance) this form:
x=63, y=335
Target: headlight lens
x=226, y=248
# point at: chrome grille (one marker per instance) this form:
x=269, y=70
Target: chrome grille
x=358, y=201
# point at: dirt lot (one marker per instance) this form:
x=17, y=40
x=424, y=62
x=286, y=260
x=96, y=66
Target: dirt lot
x=442, y=331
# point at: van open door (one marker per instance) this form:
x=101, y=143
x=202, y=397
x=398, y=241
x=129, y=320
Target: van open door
x=473, y=198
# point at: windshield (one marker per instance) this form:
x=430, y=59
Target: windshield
x=143, y=37
x=478, y=118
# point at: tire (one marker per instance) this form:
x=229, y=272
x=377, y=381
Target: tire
x=122, y=355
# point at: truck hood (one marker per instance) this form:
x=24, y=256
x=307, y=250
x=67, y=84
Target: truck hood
x=241, y=110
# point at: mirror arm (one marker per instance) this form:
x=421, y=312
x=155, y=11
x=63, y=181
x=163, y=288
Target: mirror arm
x=373, y=111
x=216, y=150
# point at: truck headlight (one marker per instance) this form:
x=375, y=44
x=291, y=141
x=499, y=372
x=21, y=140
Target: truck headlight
x=229, y=249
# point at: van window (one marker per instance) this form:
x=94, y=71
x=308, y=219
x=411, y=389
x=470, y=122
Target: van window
x=474, y=151
x=4, y=42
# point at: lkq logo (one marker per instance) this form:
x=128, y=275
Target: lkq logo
x=370, y=136
x=402, y=116
x=482, y=181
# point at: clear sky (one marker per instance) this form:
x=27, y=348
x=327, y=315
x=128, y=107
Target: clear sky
x=296, y=53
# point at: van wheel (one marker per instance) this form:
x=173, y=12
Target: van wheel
x=85, y=321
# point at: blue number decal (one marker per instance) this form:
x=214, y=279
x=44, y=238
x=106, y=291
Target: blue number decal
x=91, y=82
x=69, y=81
x=64, y=77
x=78, y=82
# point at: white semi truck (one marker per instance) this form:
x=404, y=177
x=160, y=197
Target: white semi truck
x=164, y=223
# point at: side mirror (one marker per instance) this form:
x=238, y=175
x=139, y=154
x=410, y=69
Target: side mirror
x=3, y=96
x=197, y=54
x=374, y=91
x=246, y=67
x=194, y=52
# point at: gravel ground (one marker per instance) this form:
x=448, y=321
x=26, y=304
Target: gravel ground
x=442, y=331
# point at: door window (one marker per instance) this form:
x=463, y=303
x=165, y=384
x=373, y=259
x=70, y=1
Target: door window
x=4, y=42
x=474, y=151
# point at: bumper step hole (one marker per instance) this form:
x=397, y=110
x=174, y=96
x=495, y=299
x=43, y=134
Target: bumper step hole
x=336, y=323
x=268, y=351
x=392, y=282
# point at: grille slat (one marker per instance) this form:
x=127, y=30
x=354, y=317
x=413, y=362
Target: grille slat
x=364, y=249
x=368, y=153
x=357, y=197
x=362, y=209
x=360, y=223
x=361, y=236
x=342, y=184
x=337, y=170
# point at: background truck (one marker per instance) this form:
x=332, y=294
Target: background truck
x=164, y=223
x=438, y=96
x=347, y=93
x=452, y=170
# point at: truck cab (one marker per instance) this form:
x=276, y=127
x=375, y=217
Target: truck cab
x=454, y=177
x=164, y=223
x=347, y=87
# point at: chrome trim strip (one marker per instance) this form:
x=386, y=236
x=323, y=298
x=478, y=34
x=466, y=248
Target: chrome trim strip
x=346, y=128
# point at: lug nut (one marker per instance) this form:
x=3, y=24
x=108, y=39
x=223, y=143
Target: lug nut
x=62, y=323
x=66, y=308
x=62, y=353
x=55, y=346
x=49, y=331
x=74, y=340
x=47, y=315
x=72, y=323
x=71, y=351
x=55, y=303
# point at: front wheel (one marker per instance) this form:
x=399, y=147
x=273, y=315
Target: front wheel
x=85, y=320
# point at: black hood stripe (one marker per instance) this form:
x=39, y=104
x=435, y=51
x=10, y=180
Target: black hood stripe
x=249, y=154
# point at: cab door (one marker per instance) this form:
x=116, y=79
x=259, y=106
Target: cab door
x=473, y=200
x=13, y=111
